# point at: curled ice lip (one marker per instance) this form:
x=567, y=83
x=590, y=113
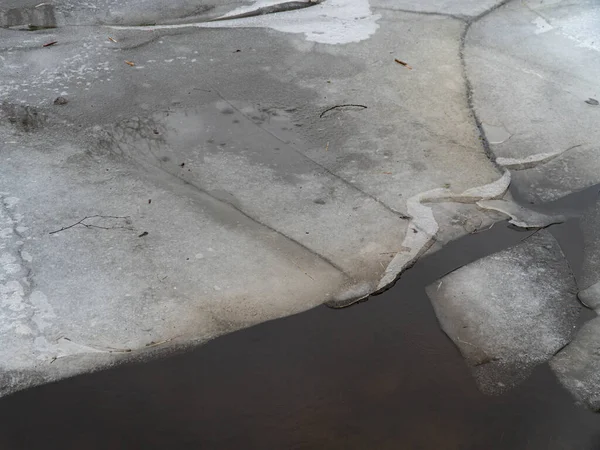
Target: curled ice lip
x=423, y=226
x=532, y=160
x=519, y=216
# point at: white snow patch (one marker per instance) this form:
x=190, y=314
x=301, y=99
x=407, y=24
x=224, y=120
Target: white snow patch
x=542, y=26
x=582, y=29
x=330, y=22
x=22, y=329
x=10, y=202
x=43, y=310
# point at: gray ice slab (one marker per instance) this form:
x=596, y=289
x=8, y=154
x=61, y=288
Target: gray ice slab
x=589, y=283
x=532, y=67
x=203, y=178
x=206, y=175
x=510, y=311
x=578, y=365
x=590, y=296
x=166, y=266
x=590, y=271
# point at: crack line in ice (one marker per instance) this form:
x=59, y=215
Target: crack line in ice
x=423, y=227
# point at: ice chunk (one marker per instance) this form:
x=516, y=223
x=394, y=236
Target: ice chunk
x=510, y=311
x=590, y=297
x=578, y=365
x=520, y=216
x=590, y=227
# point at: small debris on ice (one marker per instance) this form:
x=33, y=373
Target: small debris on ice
x=403, y=63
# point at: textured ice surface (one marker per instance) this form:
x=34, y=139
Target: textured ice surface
x=590, y=227
x=510, y=311
x=578, y=365
x=229, y=196
x=532, y=66
x=240, y=200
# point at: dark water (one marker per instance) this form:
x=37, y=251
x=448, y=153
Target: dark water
x=379, y=375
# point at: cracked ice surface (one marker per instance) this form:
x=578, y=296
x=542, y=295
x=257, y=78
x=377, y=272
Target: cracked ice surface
x=532, y=66
x=590, y=226
x=523, y=313
x=239, y=200
x=330, y=22
x=578, y=365
x=464, y=8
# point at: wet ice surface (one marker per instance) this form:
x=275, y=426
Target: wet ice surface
x=590, y=224
x=578, y=365
x=219, y=170
x=510, y=311
x=378, y=375
x=285, y=218
x=471, y=311
x=328, y=22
